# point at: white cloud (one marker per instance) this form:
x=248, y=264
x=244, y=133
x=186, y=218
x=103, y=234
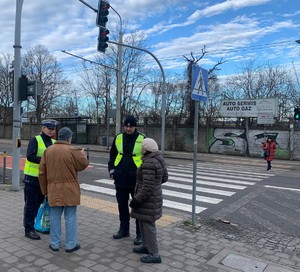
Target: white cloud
x=173, y=27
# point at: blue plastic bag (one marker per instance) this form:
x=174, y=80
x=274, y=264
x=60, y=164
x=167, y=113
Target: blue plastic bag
x=42, y=220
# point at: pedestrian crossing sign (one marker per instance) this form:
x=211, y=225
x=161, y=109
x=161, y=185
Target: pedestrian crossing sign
x=199, y=84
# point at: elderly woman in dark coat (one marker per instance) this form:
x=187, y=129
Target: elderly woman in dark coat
x=147, y=201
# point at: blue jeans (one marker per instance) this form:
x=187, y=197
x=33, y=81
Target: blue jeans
x=70, y=214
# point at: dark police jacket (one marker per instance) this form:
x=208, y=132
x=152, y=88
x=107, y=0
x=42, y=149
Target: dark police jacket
x=125, y=172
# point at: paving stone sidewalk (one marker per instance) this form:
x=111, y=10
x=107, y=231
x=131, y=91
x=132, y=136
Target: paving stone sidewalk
x=183, y=247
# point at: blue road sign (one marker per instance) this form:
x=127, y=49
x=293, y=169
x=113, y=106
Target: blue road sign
x=199, y=84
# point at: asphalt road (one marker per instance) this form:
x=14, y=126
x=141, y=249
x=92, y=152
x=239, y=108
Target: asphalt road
x=267, y=201
x=245, y=197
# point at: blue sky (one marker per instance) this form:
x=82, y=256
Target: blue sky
x=234, y=30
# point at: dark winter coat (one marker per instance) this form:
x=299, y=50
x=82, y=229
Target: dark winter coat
x=148, y=190
x=125, y=171
x=271, y=148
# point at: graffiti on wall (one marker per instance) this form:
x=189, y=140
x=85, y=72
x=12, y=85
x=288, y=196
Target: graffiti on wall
x=227, y=141
x=234, y=141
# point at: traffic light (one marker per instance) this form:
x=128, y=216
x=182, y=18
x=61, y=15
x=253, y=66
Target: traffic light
x=297, y=114
x=102, y=13
x=102, y=40
x=23, y=88
x=28, y=88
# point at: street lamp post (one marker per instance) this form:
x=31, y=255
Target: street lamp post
x=163, y=107
x=17, y=104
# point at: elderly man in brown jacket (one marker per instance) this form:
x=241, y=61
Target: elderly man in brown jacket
x=58, y=180
x=148, y=199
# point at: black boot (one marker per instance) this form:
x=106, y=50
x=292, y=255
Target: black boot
x=121, y=234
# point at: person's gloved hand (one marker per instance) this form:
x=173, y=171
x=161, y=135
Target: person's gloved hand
x=111, y=173
x=134, y=204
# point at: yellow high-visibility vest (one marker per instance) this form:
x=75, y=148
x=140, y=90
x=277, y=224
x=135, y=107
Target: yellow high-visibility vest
x=31, y=168
x=136, y=153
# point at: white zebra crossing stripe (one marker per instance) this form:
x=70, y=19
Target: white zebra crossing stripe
x=98, y=164
x=236, y=170
x=166, y=203
x=186, y=187
x=181, y=206
x=205, y=173
x=209, y=183
x=206, y=199
x=97, y=189
x=199, y=189
x=177, y=191
x=200, y=178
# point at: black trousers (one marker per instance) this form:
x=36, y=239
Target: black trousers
x=33, y=198
x=122, y=195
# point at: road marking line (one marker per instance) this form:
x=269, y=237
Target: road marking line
x=200, y=179
x=181, y=172
x=182, y=206
x=165, y=192
x=181, y=186
x=282, y=188
x=189, y=196
x=97, y=189
x=210, y=183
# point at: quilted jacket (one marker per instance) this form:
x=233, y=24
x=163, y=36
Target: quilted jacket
x=148, y=190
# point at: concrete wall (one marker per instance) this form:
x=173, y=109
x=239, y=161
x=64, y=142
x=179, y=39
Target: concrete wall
x=219, y=140
x=235, y=142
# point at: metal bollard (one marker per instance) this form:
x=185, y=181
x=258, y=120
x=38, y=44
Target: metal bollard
x=4, y=166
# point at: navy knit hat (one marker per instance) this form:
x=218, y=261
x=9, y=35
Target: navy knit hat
x=65, y=134
x=129, y=121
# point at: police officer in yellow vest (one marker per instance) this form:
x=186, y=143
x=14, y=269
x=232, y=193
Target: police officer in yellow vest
x=32, y=193
x=125, y=158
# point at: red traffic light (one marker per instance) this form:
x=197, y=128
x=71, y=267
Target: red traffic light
x=102, y=13
x=102, y=40
x=103, y=35
x=103, y=7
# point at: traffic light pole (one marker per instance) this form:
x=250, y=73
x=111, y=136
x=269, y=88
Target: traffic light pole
x=17, y=103
x=119, y=75
x=119, y=83
x=163, y=107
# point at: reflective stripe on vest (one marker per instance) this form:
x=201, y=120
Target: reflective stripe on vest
x=31, y=168
x=136, y=153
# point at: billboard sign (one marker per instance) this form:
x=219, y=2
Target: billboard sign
x=249, y=107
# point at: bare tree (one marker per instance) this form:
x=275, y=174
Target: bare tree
x=94, y=82
x=38, y=64
x=135, y=72
x=261, y=81
x=6, y=88
x=191, y=62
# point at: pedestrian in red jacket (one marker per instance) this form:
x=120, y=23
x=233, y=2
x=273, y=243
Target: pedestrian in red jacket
x=269, y=148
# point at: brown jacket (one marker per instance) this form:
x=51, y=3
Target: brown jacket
x=148, y=191
x=58, y=174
